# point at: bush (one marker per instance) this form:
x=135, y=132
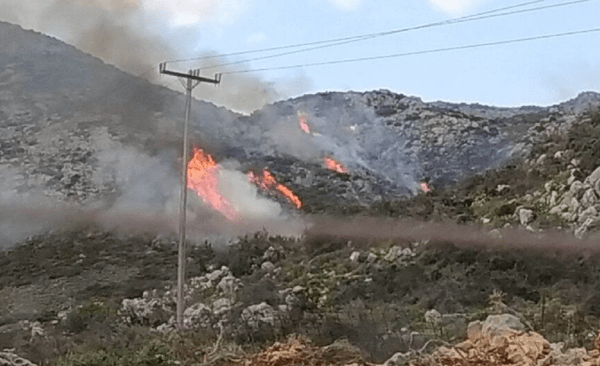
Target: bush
x=153, y=353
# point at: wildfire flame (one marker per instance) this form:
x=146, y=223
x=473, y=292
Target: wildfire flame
x=267, y=182
x=335, y=166
x=425, y=187
x=202, y=173
x=303, y=123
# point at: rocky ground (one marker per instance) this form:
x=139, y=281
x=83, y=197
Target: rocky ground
x=523, y=291
x=86, y=296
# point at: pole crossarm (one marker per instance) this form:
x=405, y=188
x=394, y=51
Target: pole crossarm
x=193, y=74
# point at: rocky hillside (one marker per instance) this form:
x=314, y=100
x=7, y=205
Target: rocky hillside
x=78, y=130
x=495, y=289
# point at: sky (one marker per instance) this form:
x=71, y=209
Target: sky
x=541, y=72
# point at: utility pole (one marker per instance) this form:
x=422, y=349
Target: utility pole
x=189, y=81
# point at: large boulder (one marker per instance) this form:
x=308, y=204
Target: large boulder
x=494, y=328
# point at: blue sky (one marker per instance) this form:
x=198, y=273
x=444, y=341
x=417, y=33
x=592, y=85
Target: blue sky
x=540, y=72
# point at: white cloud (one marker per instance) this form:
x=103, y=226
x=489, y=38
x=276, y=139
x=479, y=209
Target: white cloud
x=346, y=4
x=188, y=12
x=455, y=7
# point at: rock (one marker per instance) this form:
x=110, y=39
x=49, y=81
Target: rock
x=572, y=357
x=589, y=198
x=222, y=306
x=502, y=321
x=589, y=224
x=433, y=317
x=586, y=214
x=229, y=285
x=197, y=316
x=558, y=209
x=594, y=180
x=577, y=189
x=553, y=199
x=493, y=327
x=37, y=330
x=398, y=359
x=355, y=256
x=11, y=359
x=216, y=275
x=256, y=316
x=574, y=205
x=541, y=159
x=495, y=234
x=371, y=258
x=298, y=289
x=267, y=266
x=526, y=216
x=475, y=331
x=502, y=188
x=272, y=254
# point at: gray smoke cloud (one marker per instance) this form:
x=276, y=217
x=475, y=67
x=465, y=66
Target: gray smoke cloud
x=123, y=33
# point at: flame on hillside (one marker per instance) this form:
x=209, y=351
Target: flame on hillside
x=303, y=124
x=267, y=182
x=335, y=166
x=202, y=178
x=425, y=187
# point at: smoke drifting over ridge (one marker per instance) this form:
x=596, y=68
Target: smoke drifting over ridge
x=136, y=37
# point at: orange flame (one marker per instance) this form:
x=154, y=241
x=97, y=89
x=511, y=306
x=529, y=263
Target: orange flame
x=268, y=182
x=303, y=123
x=335, y=166
x=425, y=187
x=202, y=173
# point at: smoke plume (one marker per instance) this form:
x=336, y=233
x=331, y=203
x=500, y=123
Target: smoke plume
x=136, y=35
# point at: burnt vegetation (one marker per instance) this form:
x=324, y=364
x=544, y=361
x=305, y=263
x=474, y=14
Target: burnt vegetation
x=374, y=301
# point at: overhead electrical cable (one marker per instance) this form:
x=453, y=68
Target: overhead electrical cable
x=366, y=37
x=343, y=40
x=436, y=50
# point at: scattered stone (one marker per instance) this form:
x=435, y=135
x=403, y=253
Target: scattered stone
x=433, y=317
x=11, y=359
x=197, y=316
x=267, y=266
x=371, y=258
x=526, y=216
x=259, y=315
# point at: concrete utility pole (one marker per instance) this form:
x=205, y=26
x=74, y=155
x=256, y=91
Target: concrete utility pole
x=189, y=81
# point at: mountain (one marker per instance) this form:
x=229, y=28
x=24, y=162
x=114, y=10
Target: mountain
x=82, y=142
x=78, y=130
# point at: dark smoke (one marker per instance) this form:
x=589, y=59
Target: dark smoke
x=121, y=33
x=114, y=30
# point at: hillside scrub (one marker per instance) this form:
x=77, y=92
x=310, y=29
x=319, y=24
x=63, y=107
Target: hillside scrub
x=375, y=299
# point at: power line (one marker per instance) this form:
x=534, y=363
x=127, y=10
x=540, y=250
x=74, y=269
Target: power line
x=437, y=50
x=335, y=40
x=341, y=41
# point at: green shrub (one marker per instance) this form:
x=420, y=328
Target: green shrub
x=153, y=353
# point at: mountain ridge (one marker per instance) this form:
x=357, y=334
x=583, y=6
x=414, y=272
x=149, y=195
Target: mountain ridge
x=79, y=130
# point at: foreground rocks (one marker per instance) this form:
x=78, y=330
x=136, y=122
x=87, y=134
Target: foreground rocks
x=11, y=359
x=502, y=340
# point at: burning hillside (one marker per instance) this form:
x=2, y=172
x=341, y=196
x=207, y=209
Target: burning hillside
x=202, y=178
